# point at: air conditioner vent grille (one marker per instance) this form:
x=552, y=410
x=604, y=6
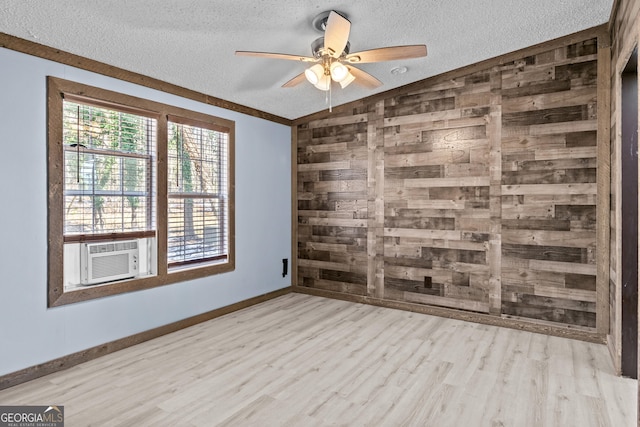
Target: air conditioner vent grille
x=113, y=247
x=110, y=266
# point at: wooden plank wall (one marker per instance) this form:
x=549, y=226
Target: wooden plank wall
x=624, y=35
x=332, y=204
x=437, y=195
x=549, y=186
x=476, y=192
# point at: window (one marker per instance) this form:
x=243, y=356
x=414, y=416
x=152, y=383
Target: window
x=108, y=169
x=140, y=193
x=197, y=183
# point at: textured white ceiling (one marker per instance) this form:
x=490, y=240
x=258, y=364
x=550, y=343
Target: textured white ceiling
x=191, y=43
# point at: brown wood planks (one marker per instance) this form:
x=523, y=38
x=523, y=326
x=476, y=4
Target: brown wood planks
x=476, y=193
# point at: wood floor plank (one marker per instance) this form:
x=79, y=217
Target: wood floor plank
x=301, y=360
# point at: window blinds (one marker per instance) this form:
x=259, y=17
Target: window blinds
x=197, y=192
x=108, y=171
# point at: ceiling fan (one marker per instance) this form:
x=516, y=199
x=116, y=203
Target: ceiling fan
x=332, y=60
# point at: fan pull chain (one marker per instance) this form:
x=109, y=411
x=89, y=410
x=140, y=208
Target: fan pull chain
x=327, y=95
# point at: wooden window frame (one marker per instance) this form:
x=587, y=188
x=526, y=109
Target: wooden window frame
x=59, y=89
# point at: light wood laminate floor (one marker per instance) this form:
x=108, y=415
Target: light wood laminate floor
x=301, y=360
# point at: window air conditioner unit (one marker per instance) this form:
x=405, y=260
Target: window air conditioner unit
x=106, y=262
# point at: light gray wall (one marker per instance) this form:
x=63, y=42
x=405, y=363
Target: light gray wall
x=31, y=333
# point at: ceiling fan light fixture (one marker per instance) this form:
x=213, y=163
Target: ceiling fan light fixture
x=314, y=74
x=324, y=83
x=349, y=78
x=339, y=71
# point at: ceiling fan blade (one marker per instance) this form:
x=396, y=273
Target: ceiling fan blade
x=387, y=54
x=276, y=56
x=336, y=35
x=365, y=79
x=295, y=81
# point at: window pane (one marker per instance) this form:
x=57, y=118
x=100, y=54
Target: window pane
x=197, y=162
x=196, y=229
x=108, y=170
x=105, y=173
x=104, y=214
x=101, y=128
